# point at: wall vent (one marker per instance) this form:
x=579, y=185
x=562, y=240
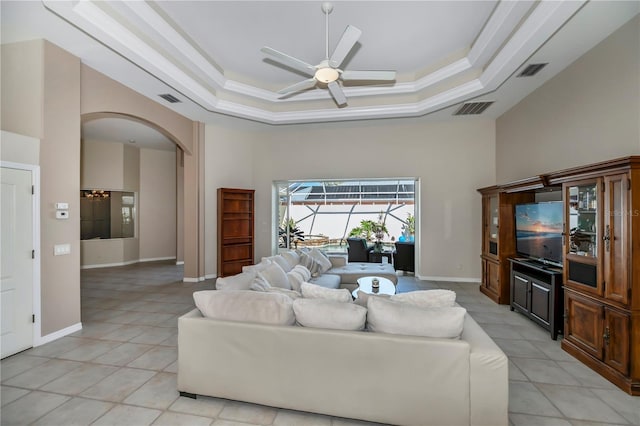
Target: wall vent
x=473, y=108
x=531, y=70
x=170, y=98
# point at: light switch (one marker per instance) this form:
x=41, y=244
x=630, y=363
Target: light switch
x=62, y=206
x=61, y=249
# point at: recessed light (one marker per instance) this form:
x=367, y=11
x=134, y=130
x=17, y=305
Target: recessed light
x=132, y=141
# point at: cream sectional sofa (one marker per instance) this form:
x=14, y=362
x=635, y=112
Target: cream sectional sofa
x=386, y=378
x=341, y=274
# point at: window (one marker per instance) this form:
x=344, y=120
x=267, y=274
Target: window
x=323, y=213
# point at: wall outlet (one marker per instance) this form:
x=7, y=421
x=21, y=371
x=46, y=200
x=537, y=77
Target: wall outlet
x=61, y=249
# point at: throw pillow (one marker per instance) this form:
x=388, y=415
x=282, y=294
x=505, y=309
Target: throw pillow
x=292, y=257
x=319, y=313
x=259, y=284
x=295, y=279
x=310, y=263
x=387, y=316
x=427, y=298
x=257, y=267
x=240, y=281
x=324, y=264
x=312, y=291
x=275, y=276
x=280, y=260
x=302, y=270
x=245, y=306
x=363, y=298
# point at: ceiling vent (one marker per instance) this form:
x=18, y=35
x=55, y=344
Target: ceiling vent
x=170, y=98
x=473, y=108
x=531, y=70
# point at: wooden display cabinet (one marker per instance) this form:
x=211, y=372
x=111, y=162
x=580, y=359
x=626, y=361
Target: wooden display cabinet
x=235, y=230
x=498, y=242
x=602, y=268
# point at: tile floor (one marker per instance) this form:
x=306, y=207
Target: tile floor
x=120, y=369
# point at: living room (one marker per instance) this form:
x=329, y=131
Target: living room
x=585, y=114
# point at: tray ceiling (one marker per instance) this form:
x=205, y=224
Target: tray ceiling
x=207, y=53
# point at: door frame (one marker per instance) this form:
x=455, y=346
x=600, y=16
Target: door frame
x=35, y=207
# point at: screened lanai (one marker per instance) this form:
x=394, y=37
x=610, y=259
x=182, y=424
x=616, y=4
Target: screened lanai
x=323, y=213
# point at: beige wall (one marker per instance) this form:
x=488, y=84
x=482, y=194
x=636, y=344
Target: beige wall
x=130, y=168
x=23, y=88
x=229, y=159
x=59, y=147
x=451, y=159
x=102, y=165
x=589, y=112
x=19, y=148
x=157, y=204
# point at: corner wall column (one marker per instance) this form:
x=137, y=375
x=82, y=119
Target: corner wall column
x=194, y=208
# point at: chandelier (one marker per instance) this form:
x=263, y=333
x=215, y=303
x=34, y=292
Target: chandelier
x=96, y=193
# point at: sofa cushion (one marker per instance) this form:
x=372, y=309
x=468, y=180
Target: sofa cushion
x=280, y=260
x=324, y=264
x=321, y=313
x=312, y=291
x=326, y=280
x=246, y=306
x=241, y=281
x=427, y=298
x=275, y=276
x=386, y=316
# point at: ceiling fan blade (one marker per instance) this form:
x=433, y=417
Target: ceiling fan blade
x=305, y=84
x=346, y=43
x=290, y=61
x=337, y=93
x=369, y=75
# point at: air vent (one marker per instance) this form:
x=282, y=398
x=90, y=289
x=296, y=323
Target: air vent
x=531, y=70
x=473, y=108
x=170, y=98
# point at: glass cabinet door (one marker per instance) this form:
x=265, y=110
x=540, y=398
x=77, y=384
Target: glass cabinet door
x=583, y=203
x=583, y=220
x=491, y=206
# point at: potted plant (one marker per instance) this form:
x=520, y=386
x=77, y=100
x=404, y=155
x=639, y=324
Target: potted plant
x=295, y=234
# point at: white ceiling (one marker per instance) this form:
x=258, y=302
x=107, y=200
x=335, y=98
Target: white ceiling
x=207, y=53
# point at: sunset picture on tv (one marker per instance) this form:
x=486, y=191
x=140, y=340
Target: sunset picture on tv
x=539, y=230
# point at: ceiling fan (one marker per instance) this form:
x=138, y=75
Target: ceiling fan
x=327, y=73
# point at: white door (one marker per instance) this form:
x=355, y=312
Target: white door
x=16, y=275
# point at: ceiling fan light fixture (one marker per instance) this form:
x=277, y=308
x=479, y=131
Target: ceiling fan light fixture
x=327, y=75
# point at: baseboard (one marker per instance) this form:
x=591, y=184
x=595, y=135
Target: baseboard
x=179, y=262
x=129, y=262
x=210, y=276
x=156, y=259
x=109, y=265
x=57, y=334
x=193, y=280
x=449, y=279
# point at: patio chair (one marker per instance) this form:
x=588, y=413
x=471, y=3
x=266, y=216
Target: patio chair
x=404, y=257
x=358, y=250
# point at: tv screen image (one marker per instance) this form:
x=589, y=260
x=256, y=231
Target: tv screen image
x=539, y=231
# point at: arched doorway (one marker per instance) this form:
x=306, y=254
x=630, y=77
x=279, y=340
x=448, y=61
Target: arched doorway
x=131, y=180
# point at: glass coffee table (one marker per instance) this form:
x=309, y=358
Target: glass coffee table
x=364, y=284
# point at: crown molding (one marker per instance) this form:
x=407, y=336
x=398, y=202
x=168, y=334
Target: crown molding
x=514, y=31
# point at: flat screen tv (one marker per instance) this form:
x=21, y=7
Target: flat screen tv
x=539, y=231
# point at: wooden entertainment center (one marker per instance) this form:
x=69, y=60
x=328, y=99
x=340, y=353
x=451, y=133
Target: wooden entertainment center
x=597, y=290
